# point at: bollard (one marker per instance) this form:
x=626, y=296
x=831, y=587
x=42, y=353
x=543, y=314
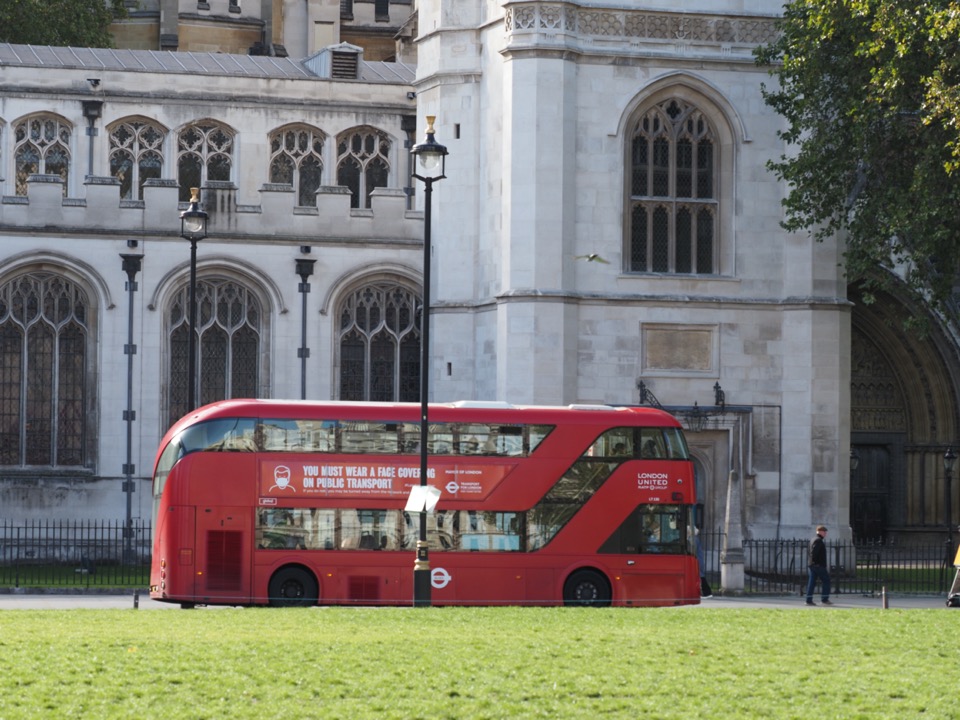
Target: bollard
x=136, y=599
x=883, y=597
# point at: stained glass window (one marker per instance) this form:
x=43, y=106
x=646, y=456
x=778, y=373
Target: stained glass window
x=44, y=365
x=363, y=163
x=296, y=158
x=204, y=152
x=41, y=147
x=136, y=155
x=229, y=330
x=379, y=341
x=673, y=198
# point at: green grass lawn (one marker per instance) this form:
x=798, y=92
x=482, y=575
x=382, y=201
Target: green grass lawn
x=479, y=663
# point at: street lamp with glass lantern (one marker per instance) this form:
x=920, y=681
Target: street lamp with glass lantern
x=430, y=157
x=193, y=227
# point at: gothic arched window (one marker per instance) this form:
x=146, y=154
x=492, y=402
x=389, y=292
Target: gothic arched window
x=41, y=147
x=379, y=343
x=673, y=198
x=296, y=158
x=204, y=152
x=229, y=331
x=44, y=365
x=363, y=163
x=136, y=155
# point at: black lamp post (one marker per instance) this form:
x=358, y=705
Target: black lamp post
x=131, y=266
x=431, y=159
x=304, y=270
x=193, y=227
x=949, y=463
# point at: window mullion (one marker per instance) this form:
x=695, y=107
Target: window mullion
x=55, y=396
x=228, y=363
x=672, y=215
x=672, y=235
x=362, y=185
x=650, y=165
x=650, y=242
x=694, y=217
x=24, y=375
x=367, y=366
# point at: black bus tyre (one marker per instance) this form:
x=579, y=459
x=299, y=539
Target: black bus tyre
x=293, y=587
x=586, y=587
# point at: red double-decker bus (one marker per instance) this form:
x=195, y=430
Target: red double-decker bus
x=302, y=503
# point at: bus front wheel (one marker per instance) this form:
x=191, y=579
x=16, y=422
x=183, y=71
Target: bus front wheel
x=293, y=587
x=586, y=587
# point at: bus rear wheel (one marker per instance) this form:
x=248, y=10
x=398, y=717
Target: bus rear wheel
x=586, y=587
x=293, y=587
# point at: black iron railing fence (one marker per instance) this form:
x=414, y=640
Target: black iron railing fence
x=780, y=566
x=107, y=554
x=74, y=554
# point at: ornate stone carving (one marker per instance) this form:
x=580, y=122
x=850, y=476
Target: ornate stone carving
x=876, y=402
x=592, y=23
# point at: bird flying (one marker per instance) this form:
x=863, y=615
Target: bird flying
x=592, y=257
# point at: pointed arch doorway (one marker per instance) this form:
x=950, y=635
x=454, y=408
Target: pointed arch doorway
x=903, y=407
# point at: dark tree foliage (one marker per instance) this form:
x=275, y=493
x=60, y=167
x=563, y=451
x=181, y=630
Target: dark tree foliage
x=76, y=23
x=870, y=91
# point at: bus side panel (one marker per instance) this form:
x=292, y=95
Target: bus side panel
x=360, y=580
x=542, y=587
x=473, y=579
x=373, y=585
x=223, y=548
x=225, y=478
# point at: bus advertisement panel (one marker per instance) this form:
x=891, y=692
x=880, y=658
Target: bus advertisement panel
x=353, y=479
x=302, y=503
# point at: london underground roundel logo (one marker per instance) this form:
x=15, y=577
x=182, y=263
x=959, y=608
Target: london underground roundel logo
x=452, y=487
x=440, y=578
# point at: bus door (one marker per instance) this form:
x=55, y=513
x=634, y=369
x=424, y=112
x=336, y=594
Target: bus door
x=224, y=542
x=656, y=563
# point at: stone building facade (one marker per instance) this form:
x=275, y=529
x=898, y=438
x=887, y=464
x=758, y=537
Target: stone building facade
x=638, y=135
x=607, y=233
x=98, y=151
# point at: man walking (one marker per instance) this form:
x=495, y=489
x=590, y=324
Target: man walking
x=817, y=568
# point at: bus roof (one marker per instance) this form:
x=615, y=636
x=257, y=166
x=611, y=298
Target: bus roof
x=461, y=411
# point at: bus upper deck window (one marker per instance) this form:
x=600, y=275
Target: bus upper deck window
x=676, y=444
x=536, y=435
x=222, y=434
x=616, y=443
x=652, y=445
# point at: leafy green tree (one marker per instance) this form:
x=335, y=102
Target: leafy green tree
x=76, y=23
x=870, y=91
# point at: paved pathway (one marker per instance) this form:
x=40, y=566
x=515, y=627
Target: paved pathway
x=798, y=602
x=18, y=601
